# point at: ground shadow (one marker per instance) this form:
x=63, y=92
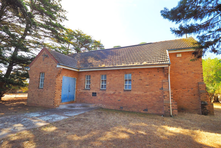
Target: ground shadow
x=12, y=106
x=106, y=128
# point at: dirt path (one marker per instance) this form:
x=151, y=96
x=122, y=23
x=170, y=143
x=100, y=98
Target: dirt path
x=17, y=116
x=109, y=128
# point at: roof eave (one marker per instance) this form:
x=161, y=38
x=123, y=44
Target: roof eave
x=125, y=67
x=114, y=68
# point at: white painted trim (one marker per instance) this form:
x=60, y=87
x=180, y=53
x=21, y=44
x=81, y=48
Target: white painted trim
x=65, y=67
x=182, y=50
x=168, y=56
x=116, y=68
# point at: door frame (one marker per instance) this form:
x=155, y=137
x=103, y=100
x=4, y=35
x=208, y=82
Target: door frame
x=74, y=92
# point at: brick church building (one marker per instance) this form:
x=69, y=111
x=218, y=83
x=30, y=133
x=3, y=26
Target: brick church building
x=157, y=78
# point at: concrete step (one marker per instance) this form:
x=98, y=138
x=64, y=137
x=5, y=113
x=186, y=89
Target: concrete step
x=77, y=106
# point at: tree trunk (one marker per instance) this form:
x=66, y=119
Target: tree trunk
x=1, y=95
x=12, y=61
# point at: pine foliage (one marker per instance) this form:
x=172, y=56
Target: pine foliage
x=77, y=41
x=25, y=26
x=199, y=17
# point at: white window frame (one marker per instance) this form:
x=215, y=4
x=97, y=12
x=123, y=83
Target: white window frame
x=88, y=82
x=41, y=81
x=103, y=82
x=127, y=81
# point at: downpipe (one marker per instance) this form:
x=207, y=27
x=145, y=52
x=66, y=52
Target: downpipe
x=171, y=112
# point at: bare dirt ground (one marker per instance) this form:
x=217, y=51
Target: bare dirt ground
x=16, y=105
x=111, y=128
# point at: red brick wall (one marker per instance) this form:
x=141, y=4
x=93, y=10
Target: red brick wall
x=185, y=75
x=58, y=88
x=146, y=93
x=45, y=96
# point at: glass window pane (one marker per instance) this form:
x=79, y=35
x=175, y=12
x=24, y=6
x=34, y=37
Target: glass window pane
x=125, y=76
x=129, y=82
x=104, y=86
x=41, y=81
x=88, y=77
x=126, y=87
x=129, y=76
x=129, y=86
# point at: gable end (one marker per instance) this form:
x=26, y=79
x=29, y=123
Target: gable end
x=46, y=50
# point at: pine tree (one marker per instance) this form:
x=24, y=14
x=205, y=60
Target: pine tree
x=199, y=17
x=24, y=27
x=77, y=41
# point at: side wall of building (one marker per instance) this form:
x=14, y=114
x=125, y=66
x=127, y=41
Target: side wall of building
x=37, y=96
x=146, y=94
x=185, y=76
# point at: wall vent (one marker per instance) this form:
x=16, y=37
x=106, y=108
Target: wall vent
x=179, y=55
x=94, y=94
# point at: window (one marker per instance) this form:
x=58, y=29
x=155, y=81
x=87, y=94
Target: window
x=87, y=81
x=103, y=81
x=127, y=81
x=42, y=77
x=179, y=55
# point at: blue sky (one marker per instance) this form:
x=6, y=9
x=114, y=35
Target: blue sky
x=121, y=22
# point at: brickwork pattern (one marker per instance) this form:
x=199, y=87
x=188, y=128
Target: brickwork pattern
x=167, y=100
x=204, y=96
x=146, y=95
x=185, y=75
x=42, y=97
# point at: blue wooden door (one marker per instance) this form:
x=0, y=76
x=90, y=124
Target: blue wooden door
x=68, y=89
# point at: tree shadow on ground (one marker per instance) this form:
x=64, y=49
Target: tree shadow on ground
x=12, y=106
x=106, y=128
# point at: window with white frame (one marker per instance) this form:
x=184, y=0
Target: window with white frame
x=42, y=77
x=103, y=81
x=87, y=81
x=127, y=81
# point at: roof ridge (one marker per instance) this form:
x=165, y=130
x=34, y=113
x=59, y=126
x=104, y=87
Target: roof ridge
x=113, y=48
x=60, y=53
x=174, y=40
x=132, y=45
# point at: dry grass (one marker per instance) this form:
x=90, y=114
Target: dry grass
x=110, y=128
x=16, y=105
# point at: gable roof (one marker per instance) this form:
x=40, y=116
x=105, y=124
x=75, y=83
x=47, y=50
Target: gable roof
x=137, y=55
x=64, y=60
